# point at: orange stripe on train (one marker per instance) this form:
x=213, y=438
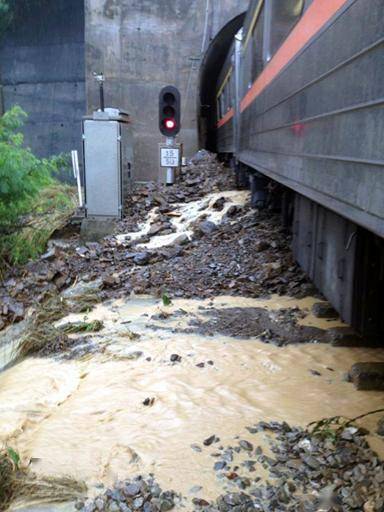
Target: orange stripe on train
x=226, y=118
x=313, y=20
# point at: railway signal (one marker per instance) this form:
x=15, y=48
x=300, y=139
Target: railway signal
x=169, y=111
x=169, y=125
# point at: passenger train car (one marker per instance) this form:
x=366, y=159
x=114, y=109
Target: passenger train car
x=300, y=101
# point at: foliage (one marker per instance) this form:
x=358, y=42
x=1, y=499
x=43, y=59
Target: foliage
x=5, y=15
x=14, y=456
x=332, y=428
x=11, y=10
x=50, y=212
x=22, y=174
x=8, y=468
x=166, y=300
x=32, y=203
x=72, y=328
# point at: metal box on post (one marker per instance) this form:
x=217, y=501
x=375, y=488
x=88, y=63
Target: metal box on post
x=108, y=163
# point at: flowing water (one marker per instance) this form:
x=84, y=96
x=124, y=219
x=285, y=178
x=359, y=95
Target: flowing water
x=185, y=215
x=86, y=418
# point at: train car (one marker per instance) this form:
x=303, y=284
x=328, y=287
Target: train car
x=310, y=117
x=225, y=98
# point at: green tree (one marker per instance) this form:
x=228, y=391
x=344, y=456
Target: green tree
x=33, y=204
x=22, y=174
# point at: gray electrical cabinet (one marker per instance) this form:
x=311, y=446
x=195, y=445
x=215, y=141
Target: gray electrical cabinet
x=108, y=163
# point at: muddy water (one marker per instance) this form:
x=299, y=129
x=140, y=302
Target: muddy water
x=87, y=419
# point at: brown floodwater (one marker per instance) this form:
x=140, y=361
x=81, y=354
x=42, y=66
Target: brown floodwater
x=86, y=418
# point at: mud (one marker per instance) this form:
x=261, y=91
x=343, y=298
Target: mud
x=200, y=340
x=280, y=328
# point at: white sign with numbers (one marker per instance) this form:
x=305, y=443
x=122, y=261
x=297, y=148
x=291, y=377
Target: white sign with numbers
x=169, y=157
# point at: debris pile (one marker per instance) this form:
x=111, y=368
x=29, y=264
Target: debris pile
x=247, y=253
x=139, y=494
x=309, y=471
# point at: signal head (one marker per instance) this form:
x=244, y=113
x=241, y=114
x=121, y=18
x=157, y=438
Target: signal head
x=169, y=111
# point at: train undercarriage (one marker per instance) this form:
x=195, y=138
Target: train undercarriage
x=345, y=261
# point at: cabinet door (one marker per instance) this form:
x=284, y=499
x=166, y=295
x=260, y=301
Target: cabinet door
x=102, y=164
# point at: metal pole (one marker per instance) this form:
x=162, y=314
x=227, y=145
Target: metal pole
x=102, y=103
x=236, y=131
x=170, y=176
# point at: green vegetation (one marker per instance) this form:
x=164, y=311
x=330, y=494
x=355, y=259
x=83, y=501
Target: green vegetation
x=10, y=10
x=75, y=327
x=166, y=300
x=8, y=470
x=332, y=428
x=32, y=203
x=17, y=482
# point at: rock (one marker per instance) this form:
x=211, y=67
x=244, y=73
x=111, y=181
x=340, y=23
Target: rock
x=138, y=503
x=196, y=448
x=195, y=489
x=210, y=440
x=218, y=205
x=261, y=246
x=201, y=156
x=110, y=281
x=182, y=239
x=232, y=210
x=99, y=503
x=175, y=358
x=311, y=461
x=380, y=427
x=132, y=489
x=218, y=466
x=166, y=504
x=16, y=309
x=155, y=229
x=368, y=376
x=324, y=310
x=148, y=402
x=49, y=255
x=345, y=337
x=134, y=355
x=207, y=227
x=199, y=502
x=246, y=445
x=141, y=258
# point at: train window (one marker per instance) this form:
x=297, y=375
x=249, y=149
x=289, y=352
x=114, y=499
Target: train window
x=222, y=106
x=257, y=50
x=284, y=14
x=219, y=110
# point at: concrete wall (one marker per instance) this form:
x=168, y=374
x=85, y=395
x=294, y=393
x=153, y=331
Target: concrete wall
x=42, y=68
x=142, y=45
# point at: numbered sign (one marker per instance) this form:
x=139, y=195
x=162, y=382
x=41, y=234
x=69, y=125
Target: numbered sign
x=169, y=157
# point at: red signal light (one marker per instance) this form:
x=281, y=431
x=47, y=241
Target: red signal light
x=170, y=124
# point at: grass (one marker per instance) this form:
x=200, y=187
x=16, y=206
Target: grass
x=43, y=333
x=8, y=470
x=50, y=211
x=18, y=483
x=77, y=327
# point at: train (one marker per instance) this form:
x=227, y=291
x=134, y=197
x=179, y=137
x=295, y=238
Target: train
x=300, y=106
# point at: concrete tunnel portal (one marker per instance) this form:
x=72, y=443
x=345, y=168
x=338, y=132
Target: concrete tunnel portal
x=209, y=73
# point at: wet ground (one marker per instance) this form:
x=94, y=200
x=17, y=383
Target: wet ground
x=196, y=358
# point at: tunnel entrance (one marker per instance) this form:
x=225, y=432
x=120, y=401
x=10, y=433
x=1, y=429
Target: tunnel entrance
x=209, y=73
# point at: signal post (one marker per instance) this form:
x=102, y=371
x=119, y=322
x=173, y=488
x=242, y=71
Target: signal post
x=169, y=125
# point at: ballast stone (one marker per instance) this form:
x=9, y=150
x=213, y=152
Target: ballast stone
x=368, y=376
